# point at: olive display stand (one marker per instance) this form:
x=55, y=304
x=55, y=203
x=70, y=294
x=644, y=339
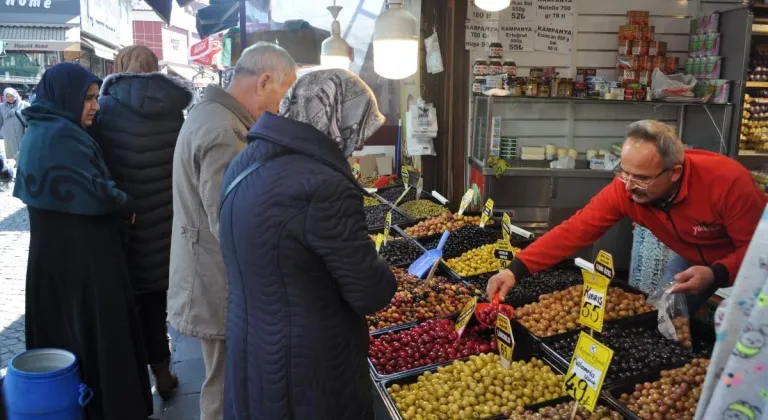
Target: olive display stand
x=519, y=354
x=699, y=332
x=424, y=195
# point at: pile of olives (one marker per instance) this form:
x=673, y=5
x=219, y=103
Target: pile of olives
x=675, y=395
x=400, y=251
x=464, y=239
x=477, y=261
x=635, y=350
x=439, y=224
x=683, y=331
x=376, y=215
x=565, y=411
x=529, y=289
x=370, y=201
x=477, y=388
x=421, y=209
x=558, y=312
x=392, y=194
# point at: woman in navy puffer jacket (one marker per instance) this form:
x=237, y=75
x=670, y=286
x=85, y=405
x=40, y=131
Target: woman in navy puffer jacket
x=302, y=270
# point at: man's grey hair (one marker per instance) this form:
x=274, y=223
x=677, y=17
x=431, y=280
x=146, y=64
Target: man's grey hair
x=667, y=142
x=265, y=57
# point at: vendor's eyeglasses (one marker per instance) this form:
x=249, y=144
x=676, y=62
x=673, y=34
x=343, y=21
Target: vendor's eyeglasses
x=631, y=179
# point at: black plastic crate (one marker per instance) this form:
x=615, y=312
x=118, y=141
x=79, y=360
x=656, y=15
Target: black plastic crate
x=391, y=194
x=602, y=401
x=398, y=218
x=518, y=296
x=702, y=336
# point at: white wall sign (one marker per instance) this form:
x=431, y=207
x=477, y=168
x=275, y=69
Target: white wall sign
x=517, y=37
x=175, y=49
x=554, y=39
x=556, y=12
x=480, y=35
x=518, y=10
x=476, y=13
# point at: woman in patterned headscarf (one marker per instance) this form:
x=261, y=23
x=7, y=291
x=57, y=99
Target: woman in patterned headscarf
x=302, y=271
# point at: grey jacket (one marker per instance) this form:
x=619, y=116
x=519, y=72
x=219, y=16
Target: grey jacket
x=213, y=133
x=11, y=129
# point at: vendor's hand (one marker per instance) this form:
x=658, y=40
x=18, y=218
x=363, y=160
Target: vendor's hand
x=694, y=280
x=501, y=283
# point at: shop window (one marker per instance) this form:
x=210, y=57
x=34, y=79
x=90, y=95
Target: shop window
x=27, y=67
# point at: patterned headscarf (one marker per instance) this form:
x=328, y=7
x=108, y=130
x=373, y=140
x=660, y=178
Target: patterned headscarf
x=336, y=102
x=136, y=59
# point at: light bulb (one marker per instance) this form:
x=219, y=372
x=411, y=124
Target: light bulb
x=492, y=5
x=334, y=62
x=395, y=58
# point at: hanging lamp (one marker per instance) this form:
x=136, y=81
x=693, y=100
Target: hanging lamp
x=492, y=5
x=395, y=42
x=334, y=51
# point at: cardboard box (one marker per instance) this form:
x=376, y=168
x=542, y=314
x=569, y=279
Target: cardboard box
x=640, y=48
x=658, y=62
x=638, y=17
x=368, y=165
x=384, y=165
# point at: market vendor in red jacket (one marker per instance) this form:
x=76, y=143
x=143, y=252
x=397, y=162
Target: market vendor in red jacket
x=702, y=205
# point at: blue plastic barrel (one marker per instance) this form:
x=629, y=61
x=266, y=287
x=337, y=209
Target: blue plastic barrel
x=44, y=384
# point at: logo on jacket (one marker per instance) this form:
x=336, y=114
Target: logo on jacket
x=705, y=227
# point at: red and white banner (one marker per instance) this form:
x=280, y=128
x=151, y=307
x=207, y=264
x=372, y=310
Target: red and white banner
x=207, y=51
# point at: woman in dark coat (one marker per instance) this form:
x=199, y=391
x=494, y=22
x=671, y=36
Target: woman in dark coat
x=78, y=293
x=302, y=270
x=137, y=127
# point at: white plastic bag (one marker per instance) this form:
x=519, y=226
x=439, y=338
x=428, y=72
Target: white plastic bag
x=434, y=58
x=677, y=84
x=422, y=119
x=674, y=322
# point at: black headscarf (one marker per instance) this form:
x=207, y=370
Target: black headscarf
x=63, y=87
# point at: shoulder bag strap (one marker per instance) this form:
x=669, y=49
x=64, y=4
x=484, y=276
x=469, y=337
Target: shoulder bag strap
x=252, y=167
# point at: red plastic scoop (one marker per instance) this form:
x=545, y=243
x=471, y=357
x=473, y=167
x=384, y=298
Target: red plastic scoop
x=486, y=312
x=383, y=181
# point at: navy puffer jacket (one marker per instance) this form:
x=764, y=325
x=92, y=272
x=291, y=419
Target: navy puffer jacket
x=302, y=274
x=137, y=128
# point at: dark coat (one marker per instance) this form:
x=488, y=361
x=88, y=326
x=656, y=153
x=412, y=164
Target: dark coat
x=137, y=128
x=303, y=274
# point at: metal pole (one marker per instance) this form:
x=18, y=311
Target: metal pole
x=243, y=33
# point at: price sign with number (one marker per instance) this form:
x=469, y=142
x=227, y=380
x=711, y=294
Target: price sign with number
x=466, y=200
x=356, y=170
x=379, y=241
x=465, y=315
x=587, y=371
x=387, y=226
x=407, y=188
x=506, y=227
x=405, y=175
x=593, y=299
x=503, y=253
x=505, y=340
x=487, y=212
x=604, y=264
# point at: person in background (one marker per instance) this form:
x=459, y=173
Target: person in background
x=704, y=206
x=302, y=271
x=140, y=119
x=11, y=127
x=78, y=290
x=213, y=133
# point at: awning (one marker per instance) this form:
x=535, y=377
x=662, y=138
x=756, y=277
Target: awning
x=100, y=49
x=194, y=75
x=39, y=38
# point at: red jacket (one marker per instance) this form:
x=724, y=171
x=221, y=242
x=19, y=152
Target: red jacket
x=715, y=214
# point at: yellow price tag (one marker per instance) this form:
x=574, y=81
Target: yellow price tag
x=589, y=366
x=379, y=241
x=465, y=315
x=356, y=170
x=505, y=340
x=407, y=188
x=506, y=227
x=504, y=253
x=387, y=226
x=595, y=292
x=466, y=200
x=487, y=212
x=604, y=264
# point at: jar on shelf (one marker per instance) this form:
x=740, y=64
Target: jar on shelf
x=478, y=85
x=480, y=67
x=509, y=68
x=495, y=50
x=580, y=89
x=536, y=73
x=544, y=88
x=532, y=87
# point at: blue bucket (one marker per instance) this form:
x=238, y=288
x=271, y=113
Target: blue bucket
x=44, y=384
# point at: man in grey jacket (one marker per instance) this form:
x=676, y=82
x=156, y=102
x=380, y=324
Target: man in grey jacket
x=213, y=133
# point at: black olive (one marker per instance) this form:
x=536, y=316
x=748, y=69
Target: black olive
x=376, y=215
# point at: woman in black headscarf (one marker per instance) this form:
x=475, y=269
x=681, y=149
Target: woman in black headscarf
x=78, y=289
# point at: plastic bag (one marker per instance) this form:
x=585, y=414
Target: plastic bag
x=674, y=322
x=434, y=58
x=677, y=84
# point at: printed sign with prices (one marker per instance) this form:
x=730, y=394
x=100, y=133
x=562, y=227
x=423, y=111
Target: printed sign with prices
x=476, y=13
x=505, y=340
x=487, y=212
x=387, y=225
x=517, y=36
x=480, y=35
x=558, y=12
x=405, y=175
x=519, y=10
x=504, y=253
x=506, y=227
x=604, y=264
x=465, y=315
x=554, y=39
x=356, y=170
x=587, y=371
x=379, y=241
x=466, y=200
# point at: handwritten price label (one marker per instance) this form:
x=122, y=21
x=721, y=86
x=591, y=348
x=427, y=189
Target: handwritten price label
x=466, y=200
x=465, y=315
x=480, y=35
x=553, y=39
x=593, y=299
x=505, y=340
x=556, y=11
x=487, y=212
x=405, y=175
x=587, y=370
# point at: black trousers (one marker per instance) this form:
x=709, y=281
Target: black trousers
x=153, y=312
